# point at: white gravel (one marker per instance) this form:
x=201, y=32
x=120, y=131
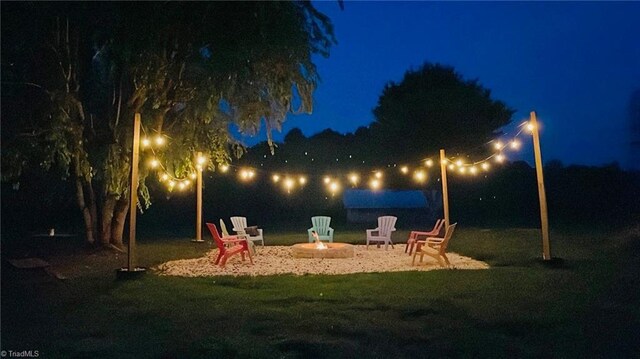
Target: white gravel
x=272, y=260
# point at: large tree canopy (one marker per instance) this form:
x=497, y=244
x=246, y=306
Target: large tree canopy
x=433, y=107
x=77, y=72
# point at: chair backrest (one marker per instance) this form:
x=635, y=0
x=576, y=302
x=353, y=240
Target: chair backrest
x=447, y=237
x=223, y=228
x=321, y=224
x=438, y=226
x=386, y=224
x=239, y=223
x=215, y=235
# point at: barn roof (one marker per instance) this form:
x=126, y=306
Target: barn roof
x=360, y=198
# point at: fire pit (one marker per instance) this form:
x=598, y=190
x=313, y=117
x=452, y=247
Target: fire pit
x=330, y=250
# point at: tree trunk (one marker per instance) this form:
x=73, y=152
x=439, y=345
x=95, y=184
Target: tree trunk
x=107, y=217
x=86, y=212
x=117, y=225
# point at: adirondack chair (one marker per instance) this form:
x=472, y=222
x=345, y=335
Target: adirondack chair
x=321, y=227
x=386, y=225
x=418, y=235
x=435, y=247
x=225, y=233
x=228, y=246
x=240, y=225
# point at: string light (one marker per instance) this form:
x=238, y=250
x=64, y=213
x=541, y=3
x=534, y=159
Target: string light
x=457, y=165
x=288, y=184
x=334, y=186
x=354, y=178
x=247, y=174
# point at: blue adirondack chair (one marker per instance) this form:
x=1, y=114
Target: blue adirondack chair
x=321, y=226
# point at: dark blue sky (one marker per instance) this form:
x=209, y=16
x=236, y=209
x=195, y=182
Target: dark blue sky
x=576, y=64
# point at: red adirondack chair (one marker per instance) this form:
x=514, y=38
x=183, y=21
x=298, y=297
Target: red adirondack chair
x=235, y=245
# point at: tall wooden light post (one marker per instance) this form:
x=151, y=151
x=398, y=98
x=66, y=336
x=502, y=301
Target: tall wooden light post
x=199, y=198
x=445, y=190
x=546, y=248
x=132, y=271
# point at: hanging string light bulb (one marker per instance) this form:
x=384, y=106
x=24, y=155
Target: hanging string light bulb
x=354, y=178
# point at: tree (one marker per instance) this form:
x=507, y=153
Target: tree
x=190, y=70
x=433, y=107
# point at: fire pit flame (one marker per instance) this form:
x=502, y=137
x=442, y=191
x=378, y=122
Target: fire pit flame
x=319, y=244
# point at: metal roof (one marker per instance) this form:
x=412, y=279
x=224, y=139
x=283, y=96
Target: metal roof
x=361, y=198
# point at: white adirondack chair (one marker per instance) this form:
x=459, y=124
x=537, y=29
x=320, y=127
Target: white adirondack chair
x=321, y=227
x=386, y=225
x=239, y=225
x=225, y=233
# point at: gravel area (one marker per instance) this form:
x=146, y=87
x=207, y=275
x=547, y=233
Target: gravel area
x=272, y=260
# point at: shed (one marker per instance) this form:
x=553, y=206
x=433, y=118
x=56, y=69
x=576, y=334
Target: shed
x=410, y=206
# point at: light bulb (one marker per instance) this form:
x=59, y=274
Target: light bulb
x=420, y=176
x=302, y=180
x=146, y=142
x=429, y=163
x=159, y=140
x=275, y=178
x=498, y=145
x=354, y=178
x=404, y=169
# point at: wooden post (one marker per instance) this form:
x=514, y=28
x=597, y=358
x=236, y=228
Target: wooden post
x=199, y=199
x=133, y=194
x=546, y=250
x=445, y=191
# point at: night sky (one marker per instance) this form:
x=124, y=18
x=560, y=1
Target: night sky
x=576, y=64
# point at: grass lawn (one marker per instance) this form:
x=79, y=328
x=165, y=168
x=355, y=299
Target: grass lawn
x=518, y=308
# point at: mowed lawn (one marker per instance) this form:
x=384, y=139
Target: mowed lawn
x=589, y=307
